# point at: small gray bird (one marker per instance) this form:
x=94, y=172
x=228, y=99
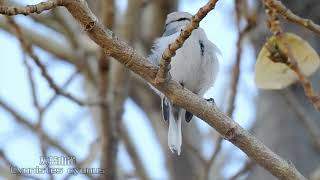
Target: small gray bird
x=194, y=66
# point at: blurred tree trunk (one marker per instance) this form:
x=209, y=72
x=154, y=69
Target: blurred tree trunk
x=277, y=124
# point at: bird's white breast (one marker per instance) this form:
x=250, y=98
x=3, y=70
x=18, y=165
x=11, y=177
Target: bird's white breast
x=189, y=66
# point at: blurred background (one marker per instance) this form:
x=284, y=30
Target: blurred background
x=38, y=120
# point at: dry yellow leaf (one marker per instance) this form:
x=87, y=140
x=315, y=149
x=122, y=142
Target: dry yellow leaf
x=274, y=75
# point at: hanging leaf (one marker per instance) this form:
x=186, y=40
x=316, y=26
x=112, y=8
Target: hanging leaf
x=272, y=70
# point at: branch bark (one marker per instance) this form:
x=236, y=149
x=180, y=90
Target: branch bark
x=29, y=9
x=287, y=14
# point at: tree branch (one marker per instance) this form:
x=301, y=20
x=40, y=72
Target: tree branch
x=28, y=49
x=286, y=57
x=29, y=9
x=59, y=50
x=287, y=14
x=24, y=121
x=11, y=165
x=140, y=170
x=108, y=128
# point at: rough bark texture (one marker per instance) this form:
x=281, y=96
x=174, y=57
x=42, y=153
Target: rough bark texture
x=277, y=124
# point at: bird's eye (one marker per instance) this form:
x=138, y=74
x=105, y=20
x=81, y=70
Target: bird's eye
x=183, y=19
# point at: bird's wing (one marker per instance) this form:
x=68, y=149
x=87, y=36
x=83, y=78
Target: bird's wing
x=188, y=116
x=165, y=108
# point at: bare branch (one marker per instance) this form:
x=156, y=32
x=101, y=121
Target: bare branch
x=11, y=165
x=60, y=50
x=286, y=57
x=28, y=48
x=108, y=131
x=22, y=120
x=66, y=27
x=33, y=128
x=38, y=8
x=213, y=157
x=32, y=84
x=305, y=82
x=287, y=14
x=170, y=51
x=140, y=170
x=36, y=104
x=55, y=96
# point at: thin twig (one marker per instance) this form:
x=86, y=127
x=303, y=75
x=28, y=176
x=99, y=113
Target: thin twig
x=64, y=86
x=68, y=31
x=33, y=128
x=29, y=9
x=94, y=151
x=32, y=84
x=273, y=22
x=12, y=165
x=38, y=108
x=195, y=151
x=60, y=50
x=170, y=51
x=44, y=19
x=305, y=82
x=132, y=151
x=245, y=169
x=286, y=57
x=289, y=15
x=28, y=48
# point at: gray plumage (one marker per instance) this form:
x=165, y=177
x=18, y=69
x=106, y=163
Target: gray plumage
x=194, y=66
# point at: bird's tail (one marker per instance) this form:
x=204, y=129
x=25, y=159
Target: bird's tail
x=174, y=115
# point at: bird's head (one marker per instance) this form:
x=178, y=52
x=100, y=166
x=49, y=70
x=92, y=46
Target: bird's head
x=177, y=20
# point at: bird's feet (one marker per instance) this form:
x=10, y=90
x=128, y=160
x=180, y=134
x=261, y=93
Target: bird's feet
x=211, y=100
x=182, y=84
